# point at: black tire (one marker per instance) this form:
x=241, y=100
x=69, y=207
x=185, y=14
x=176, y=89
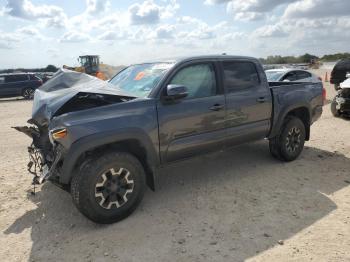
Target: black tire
x=88, y=194
x=28, y=93
x=334, y=110
x=288, y=145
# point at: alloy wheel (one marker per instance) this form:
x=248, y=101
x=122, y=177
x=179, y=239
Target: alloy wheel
x=113, y=188
x=293, y=139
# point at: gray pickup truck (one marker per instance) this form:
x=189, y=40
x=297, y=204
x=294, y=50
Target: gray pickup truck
x=104, y=142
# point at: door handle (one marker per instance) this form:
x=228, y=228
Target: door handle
x=261, y=99
x=216, y=107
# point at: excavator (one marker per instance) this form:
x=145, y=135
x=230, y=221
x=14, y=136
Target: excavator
x=89, y=64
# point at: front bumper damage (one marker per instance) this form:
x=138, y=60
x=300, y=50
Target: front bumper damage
x=41, y=168
x=44, y=158
x=65, y=93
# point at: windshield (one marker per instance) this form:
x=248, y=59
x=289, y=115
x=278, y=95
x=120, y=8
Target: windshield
x=139, y=80
x=273, y=76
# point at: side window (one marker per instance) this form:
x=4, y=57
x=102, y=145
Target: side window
x=303, y=75
x=16, y=78
x=291, y=76
x=10, y=78
x=22, y=77
x=240, y=75
x=199, y=79
x=2, y=79
x=33, y=77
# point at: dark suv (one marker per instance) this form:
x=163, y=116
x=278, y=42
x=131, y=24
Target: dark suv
x=19, y=84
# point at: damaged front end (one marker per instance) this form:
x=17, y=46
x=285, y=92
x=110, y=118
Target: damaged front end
x=66, y=92
x=42, y=157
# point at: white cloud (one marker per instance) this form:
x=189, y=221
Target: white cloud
x=74, y=37
x=148, y=12
x=247, y=16
x=215, y=2
x=169, y=10
x=317, y=9
x=112, y=35
x=30, y=33
x=97, y=6
x=164, y=32
x=8, y=40
x=25, y=9
x=249, y=10
x=270, y=31
x=145, y=13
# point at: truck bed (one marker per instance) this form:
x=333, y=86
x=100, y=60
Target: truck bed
x=289, y=95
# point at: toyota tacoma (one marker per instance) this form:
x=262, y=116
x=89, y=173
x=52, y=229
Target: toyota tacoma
x=106, y=141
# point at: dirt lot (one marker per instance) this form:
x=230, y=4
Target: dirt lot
x=231, y=206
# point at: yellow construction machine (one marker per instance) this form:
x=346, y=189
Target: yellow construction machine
x=89, y=64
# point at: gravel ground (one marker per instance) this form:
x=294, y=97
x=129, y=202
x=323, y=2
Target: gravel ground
x=231, y=206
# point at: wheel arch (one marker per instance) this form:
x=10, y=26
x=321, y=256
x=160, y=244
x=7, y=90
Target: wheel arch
x=131, y=141
x=301, y=111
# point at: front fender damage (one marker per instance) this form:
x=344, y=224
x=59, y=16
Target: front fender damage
x=66, y=92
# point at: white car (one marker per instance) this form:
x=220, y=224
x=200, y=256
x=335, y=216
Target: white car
x=291, y=75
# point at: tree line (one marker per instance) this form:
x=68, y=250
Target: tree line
x=306, y=58
x=49, y=68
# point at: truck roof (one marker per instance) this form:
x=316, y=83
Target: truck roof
x=200, y=57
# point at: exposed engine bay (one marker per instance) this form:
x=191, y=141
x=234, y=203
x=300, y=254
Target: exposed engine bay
x=66, y=92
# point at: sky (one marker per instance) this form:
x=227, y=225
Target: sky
x=35, y=33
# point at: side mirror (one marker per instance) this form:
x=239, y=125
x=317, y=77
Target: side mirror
x=174, y=92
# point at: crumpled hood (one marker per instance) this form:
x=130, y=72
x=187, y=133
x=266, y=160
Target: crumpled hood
x=64, y=86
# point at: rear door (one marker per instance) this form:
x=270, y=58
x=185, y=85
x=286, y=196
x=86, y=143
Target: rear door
x=196, y=124
x=248, y=102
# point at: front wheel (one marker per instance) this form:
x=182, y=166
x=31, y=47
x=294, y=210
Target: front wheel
x=288, y=145
x=28, y=93
x=108, y=188
x=334, y=110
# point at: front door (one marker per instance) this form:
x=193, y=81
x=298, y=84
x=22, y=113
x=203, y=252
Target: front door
x=196, y=124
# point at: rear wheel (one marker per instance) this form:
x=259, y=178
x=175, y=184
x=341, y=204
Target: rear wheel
x=288, y=145
x=334, y=110
x=28, y=93
x=108, y=188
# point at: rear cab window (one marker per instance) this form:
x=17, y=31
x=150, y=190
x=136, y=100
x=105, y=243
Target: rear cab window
x=240, y=75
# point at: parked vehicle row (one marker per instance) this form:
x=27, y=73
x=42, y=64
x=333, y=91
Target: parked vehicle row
x=105, y=141
x=19, y=84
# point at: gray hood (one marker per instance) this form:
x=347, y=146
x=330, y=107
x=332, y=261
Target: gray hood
x=73, y=88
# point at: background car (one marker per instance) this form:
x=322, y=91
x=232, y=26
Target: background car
x=292, y=75
x=339, y=72
x=19, y=84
